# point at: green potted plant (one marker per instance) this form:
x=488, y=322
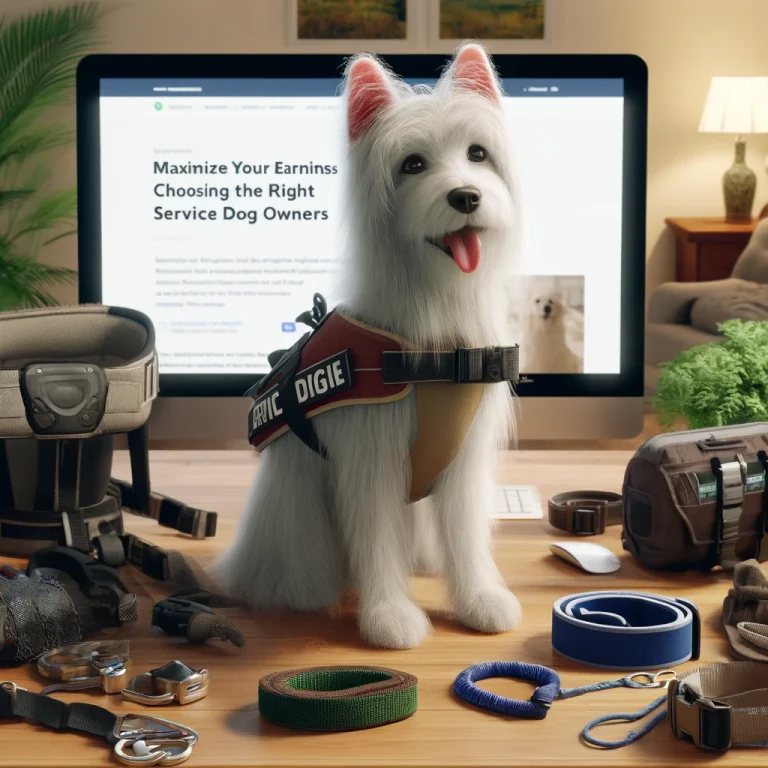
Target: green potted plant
x=38, y=59
x=719, y=383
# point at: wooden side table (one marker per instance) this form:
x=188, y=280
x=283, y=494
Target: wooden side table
x=707, y=248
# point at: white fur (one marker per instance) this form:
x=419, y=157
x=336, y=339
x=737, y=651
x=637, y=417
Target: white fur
x=546, y=336
x=313, y=526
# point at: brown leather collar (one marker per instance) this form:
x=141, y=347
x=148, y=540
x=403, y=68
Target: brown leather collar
x=585, y=513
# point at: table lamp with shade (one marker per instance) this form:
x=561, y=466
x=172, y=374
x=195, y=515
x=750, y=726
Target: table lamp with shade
x=739, y=106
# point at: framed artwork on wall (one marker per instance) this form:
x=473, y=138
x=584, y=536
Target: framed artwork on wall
x=382, y=26
x=522, y=25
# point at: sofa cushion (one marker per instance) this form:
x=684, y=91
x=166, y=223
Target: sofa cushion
x=753, y=262
x=665, y=341
x=749, y=302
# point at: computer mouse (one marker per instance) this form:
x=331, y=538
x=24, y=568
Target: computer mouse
x=591, y=558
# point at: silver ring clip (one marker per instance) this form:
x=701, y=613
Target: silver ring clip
x=148, y=740
x=101, y=664
x=660, y=679
x=172, y=682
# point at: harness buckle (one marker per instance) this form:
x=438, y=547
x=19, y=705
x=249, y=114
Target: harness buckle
x=100, y=664
x=63, y=398
x=173, y=681
x=705, y=722
x=148, y=740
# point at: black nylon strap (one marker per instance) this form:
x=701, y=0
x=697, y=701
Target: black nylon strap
x=138, y=447
x=47, y=476
x=151, y=560
x=293, y=414
x=486, y=365
x=46, y=526
x=6, y=489
x=70, y=453
x=45, y=710
x=170, y=513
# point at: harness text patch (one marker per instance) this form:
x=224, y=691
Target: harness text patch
x=312, y=385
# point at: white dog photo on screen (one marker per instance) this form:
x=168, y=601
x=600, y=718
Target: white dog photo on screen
x=431, y=213
x=550, y=317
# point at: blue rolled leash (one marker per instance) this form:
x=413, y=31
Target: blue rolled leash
x=548, y=689
x=626, y=630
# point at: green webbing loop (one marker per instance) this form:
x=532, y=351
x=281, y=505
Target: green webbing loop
x=337, y=698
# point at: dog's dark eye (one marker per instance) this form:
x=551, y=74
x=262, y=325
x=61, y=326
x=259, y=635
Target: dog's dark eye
x=414, y=164
x=538, y=301
x=477, y=154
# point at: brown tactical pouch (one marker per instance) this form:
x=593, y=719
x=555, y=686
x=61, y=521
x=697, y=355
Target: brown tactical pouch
x=697, y=499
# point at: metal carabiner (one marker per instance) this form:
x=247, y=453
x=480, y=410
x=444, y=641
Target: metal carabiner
x=672, y=675
x=174, y=681
x=652, y=678
x=149, y=740
x=102, y=664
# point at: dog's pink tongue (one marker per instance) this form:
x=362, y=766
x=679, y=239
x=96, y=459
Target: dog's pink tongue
x=465, y=248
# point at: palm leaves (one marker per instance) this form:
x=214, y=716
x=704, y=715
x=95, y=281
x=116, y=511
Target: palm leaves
x=38, y=59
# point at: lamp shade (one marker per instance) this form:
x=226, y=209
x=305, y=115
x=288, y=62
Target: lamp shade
x=736, y=105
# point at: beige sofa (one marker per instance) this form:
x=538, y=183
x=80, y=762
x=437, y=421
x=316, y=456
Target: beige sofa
x=677, y=320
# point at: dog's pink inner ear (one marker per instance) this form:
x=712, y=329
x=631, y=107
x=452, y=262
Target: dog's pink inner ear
x=473, y=71
x=369, y=93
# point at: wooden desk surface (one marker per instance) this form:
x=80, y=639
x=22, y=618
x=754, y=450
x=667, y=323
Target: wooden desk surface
x=444, y=731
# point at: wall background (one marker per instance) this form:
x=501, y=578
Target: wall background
x=684, y=42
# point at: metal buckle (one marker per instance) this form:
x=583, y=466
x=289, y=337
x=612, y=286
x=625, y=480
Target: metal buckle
x=654, y=680
x=172, y=682
x=705, y=722
x=149, y=740
x=100, y=664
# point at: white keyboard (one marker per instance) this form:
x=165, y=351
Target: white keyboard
x=518, y=502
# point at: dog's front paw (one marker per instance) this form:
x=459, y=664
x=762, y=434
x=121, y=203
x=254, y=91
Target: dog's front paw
x=393, y=624
x=492, y=610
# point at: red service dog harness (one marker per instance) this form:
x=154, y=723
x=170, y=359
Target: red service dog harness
x=345, y=362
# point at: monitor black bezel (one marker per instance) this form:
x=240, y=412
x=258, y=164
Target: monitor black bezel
x=631, y=69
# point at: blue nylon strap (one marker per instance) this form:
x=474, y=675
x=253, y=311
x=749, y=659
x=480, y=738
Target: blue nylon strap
x=624, y=630
x=547, y=691
x=625, y=717
x=536, y=709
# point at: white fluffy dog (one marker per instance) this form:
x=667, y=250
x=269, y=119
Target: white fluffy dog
x=546, y=348
x=432, y=206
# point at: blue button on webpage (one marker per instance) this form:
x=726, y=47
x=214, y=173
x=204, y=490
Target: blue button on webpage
x=289, y=327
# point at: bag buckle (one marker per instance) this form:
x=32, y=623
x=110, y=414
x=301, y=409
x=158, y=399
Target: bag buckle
x=100, y=664
x=705, y=722
x=148, y=740
x=172, y=682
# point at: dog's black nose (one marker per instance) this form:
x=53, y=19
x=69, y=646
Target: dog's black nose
x=465, y=199
x=547, y=310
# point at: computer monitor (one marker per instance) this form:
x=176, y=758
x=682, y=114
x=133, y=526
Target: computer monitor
x=209, y=198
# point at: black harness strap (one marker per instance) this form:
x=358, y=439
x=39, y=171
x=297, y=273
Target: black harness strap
x=47, y=477
x=485, y=365
x=138, y=449
x=48, y=526
x=6, y=489
x=293, y=414
x=70, y=456
x=19, y=703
